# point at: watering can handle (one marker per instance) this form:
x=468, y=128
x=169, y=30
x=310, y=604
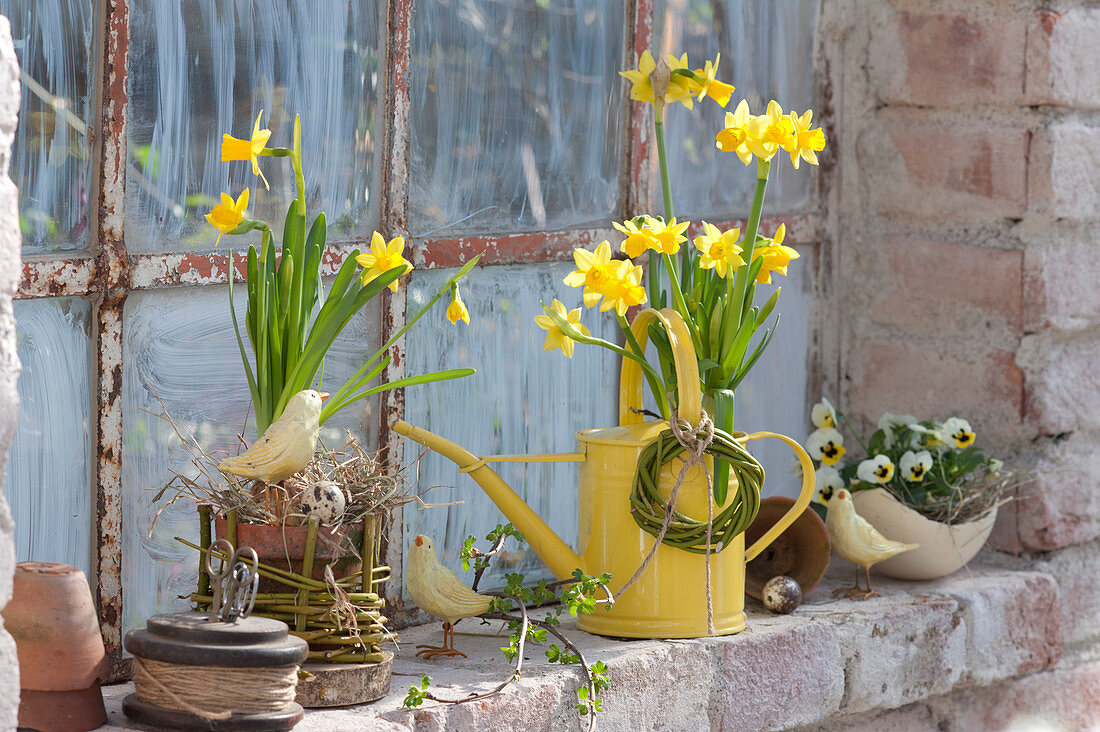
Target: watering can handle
x=683, y=355
x=799, y=506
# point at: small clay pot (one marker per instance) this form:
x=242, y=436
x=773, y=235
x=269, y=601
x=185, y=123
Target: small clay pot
x=801, y=552
x=52, y=618
x=275, y=544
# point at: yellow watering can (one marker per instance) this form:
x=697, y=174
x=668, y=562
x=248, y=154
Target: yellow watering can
x=669, y=599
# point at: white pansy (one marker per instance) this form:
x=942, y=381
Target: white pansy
x=826, y=445
x=995, y=466
x=827, y=482
x=878, y=469
x=958, y=432
x=927, y=436
x=889, y=422
x=823, y=414
x=915, y=465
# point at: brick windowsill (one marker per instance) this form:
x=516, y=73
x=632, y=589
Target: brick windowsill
x=831, y=658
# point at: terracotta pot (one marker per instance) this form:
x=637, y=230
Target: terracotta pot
x=943, y=548
x=801, y=552
x=275, y=544
x=53, y=620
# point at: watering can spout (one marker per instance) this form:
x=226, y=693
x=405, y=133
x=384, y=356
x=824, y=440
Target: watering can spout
x=555, y=553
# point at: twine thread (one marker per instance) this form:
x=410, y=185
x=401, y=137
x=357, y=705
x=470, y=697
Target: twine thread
x=214, y=692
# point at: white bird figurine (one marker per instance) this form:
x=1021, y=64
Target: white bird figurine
x=437, y=591
x=856, y=540
x=287, y=445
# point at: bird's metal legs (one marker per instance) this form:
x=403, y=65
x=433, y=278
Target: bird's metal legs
x=857, y=592
x=446, y=650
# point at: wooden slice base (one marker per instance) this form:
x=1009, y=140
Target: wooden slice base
x=340, y=684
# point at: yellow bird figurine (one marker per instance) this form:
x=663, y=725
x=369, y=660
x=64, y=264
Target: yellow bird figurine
x=854, y=539
x=437, y=591
x=286, y=447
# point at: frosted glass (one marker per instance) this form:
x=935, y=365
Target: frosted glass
x=201, y=68
x=517, y=115
x=180, y=343
x=521, y=400
x=767, y=49
x=49, y=482
x=50, y=154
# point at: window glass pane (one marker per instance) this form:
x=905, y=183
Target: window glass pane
x=50, y=154
x=201, y=68
x=49, y=468
x=767, y=49
x=521, y=400
x=180, y=346
x=517, y=115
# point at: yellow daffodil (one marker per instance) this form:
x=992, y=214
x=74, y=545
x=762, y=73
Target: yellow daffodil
x=958, y=431
x=826, y=444
x=914, y=465
x=638, y=238
x=719, y=91
x=623, y=289
x=804, y=143
x=732, y=137
x=228, y=214
x=670, y=236
x=457, y=311
x=720, y=249
x=776, y=256
x=592, y=272
x=554, y=336
x=827, y=481
x=234, y=149
x=681, y=88
x=878, y=469
x=383, y=257
x=641, y=80
x=765, y=134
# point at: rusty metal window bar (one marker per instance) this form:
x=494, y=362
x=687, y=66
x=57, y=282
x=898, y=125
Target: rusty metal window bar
x=112, y=263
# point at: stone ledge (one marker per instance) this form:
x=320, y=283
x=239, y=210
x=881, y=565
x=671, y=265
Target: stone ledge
x=831, y=657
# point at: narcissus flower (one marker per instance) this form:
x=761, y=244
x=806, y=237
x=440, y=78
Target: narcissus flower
x=681, y=87
x=457, y=311
x=592, y=272
x=668, y=236
x=915, y=465
x=826, y=445
x=228, y=214
x=804, y=143
x=719, y=91
x=827, y=481
x=766, y=133
x=775, y=256
x=623, y=290
x=719, y=248
x=234, y=149
x=958, y=431
x=383, y=257
x=555, y=338
x=732, y=137
x=639, y=238
x=823, y=414
x=878, y=469
x=641, y=89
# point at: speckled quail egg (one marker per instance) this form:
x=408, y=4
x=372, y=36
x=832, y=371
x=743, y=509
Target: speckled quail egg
x=782, y=594
x=325, y=500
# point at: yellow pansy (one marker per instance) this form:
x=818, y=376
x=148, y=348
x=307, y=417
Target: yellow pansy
x=457, y=311
x=804, y=143
x=554, y=336
x=823, y=414
x=915, y=465
x=878, y=469
x=681, y=88
x=732, y=137
x=670, y=236
x=641, y=81
x=234, y=149
x=228, y=214
x=719, y=91
x=826, y=444
x=720, y=249
x=383, y=257
x=638, y=238
x=775, y=256
x=592, y=272
x=958, y=431
x=623, y=289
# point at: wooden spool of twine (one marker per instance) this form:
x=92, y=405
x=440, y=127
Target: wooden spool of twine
x=214, y=692
x=657, y=515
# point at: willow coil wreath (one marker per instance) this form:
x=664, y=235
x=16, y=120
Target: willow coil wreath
x=650, y=509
